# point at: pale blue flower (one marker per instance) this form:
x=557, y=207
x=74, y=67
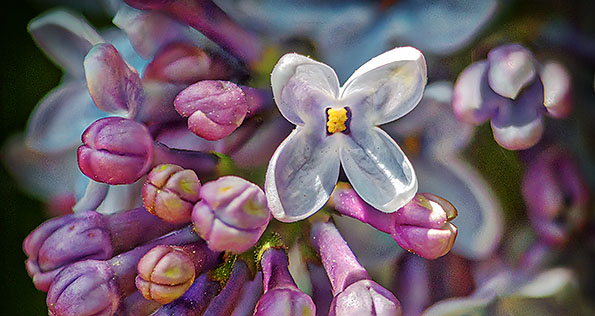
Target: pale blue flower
x=338, y=126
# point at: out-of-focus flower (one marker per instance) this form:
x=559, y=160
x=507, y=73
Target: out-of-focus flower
x=281, y=295
x=556, y=195
x=508, y=89
x=170, y=193
x=232, y=214
x=87, y=235
x=106, y=156
x=434, y=141
x=94, y=287
x=348, y=33
x=214, y=108
x=338, y=126
x=509, y=291
x=354, y=292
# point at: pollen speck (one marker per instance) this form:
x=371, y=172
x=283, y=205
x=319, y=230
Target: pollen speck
x=336, y=120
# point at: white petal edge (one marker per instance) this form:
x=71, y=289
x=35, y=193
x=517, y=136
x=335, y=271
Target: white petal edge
x=286, y=68
x=313, y=194
x=370, y=184
x=66, y=38
x=395, y=79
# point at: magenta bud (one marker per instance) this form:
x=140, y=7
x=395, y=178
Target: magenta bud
x=556, y=196
x=84, y=288
x=232, y=214
x=165, y=273
x=185, y=64
x=214, y=108
x=115, y=151
x=365, y=297
x=423, y=226
x=281, y=295
x=65, y=240
x=354, y=292
x=170, y=192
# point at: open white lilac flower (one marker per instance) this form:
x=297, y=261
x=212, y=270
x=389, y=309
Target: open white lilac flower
x=339, y=126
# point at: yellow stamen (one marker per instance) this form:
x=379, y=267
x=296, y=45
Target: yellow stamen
x=336, y=120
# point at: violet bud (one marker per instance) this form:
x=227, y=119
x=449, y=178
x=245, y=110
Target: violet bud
x=227, y=300
x=512, y=67
x=214, y=108
x=206, y=17
x=94, y=287
x=556, y=196
x=170, y=193
x=251, y=292
x=87, y=235
x=232, y=214
x=165, y=273
x=195, y=301
x=557, y=87
x=281, y=296
x=354, y=292
x=84, y=288
x=185, y=64
x=423, y=226
x=115, y=150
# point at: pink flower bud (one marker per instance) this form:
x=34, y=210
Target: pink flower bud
x=232, y=215
x=165, y=273
x=170, y=192
x=115, y=150
x=214, y=108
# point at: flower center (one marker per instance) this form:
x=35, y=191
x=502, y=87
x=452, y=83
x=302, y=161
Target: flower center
x=337, y=120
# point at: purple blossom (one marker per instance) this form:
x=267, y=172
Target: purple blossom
x=232, y=214
x=281, y=295
x=508, y=89
x=338, y=126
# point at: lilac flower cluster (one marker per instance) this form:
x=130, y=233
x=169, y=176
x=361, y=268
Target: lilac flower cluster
x=218, y=172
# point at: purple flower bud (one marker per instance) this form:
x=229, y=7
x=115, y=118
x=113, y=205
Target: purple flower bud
x=115, y=151
x=186, y=64
x=512, y=67
x=214, y=108
x=468, y=103
x=281, y=295
x=232, y=215
x=94, y=287
x=556, y=196
x=248, y=299
x=88, y=235
x=206, y=17
x=557, y=87
x=226, y=301
x=84, y=288
x=355, y=293
x=114, y=86
x=170, y=193
x=423, y=226
x=165, y=273
x=195, y=301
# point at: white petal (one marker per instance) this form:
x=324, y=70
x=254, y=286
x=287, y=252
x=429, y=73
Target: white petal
x=58, y=121
x=65, y=38
x=388, y=86
x=301, y=175
x=300, y=85
x=378, y=170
